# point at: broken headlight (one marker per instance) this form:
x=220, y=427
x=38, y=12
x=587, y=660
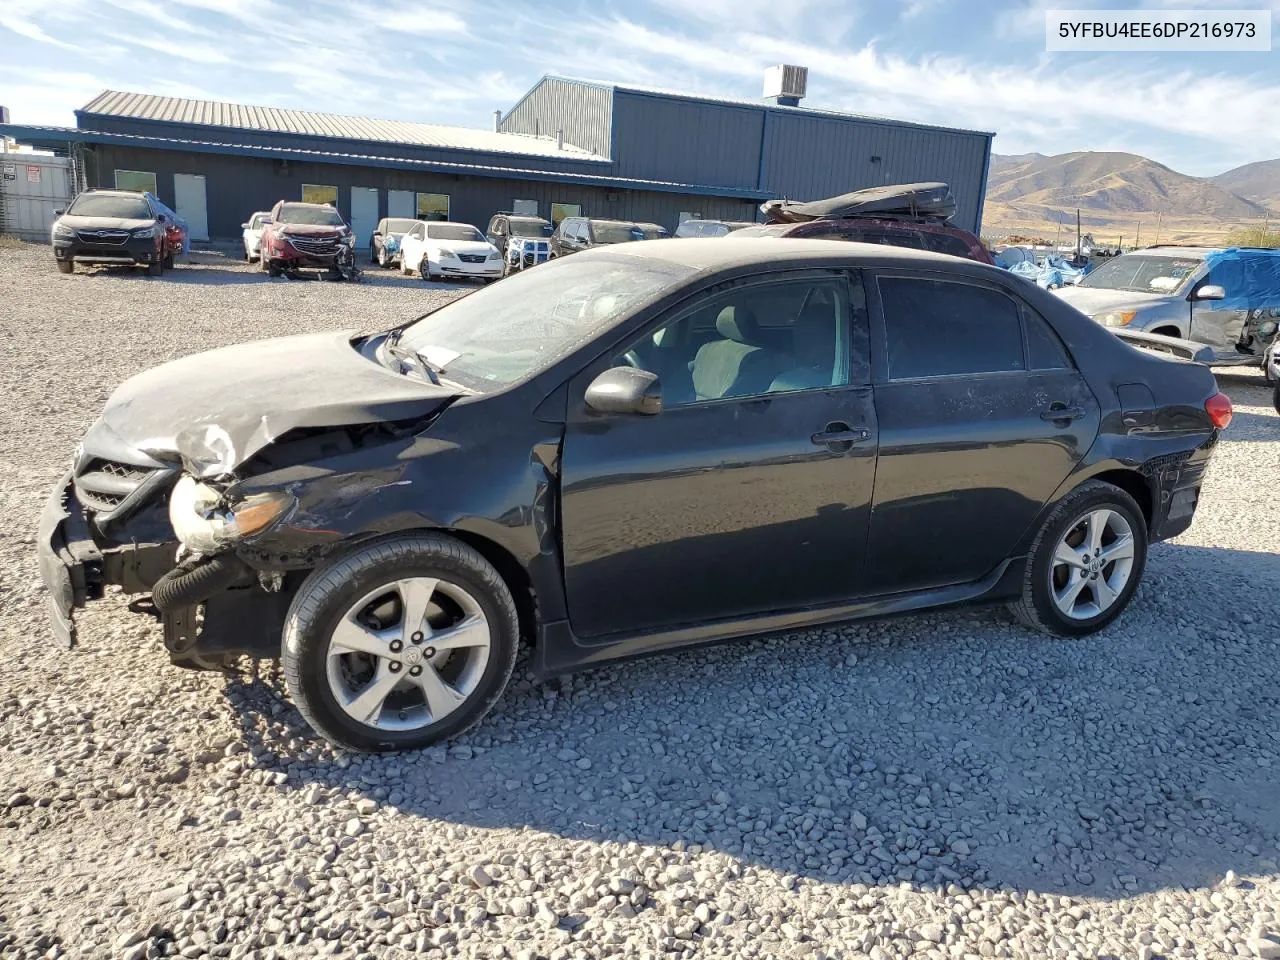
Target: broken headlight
x=205, y=522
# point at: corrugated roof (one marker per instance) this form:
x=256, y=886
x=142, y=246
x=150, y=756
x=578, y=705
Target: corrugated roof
x=236, y=116
x=762, y=104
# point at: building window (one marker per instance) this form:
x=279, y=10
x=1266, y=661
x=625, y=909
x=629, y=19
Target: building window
x=433, y=206
x=561, y=210
x=319, y=193
x=136, y=180
x=524, y=208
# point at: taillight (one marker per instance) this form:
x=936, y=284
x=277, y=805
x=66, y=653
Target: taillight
x=1218, y=407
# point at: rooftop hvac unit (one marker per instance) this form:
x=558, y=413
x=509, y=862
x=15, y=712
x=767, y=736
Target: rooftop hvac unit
x=786, y=84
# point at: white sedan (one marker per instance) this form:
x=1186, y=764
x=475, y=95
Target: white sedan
x=253, y=235
x=437, y=249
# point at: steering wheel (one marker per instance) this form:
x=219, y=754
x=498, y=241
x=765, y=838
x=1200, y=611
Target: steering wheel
x=632, y=359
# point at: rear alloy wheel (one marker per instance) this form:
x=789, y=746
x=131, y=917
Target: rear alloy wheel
x=1085, y=563
x=400, y=645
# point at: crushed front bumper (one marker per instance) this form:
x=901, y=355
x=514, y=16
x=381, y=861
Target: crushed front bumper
x=70, y=562
x=76, y=567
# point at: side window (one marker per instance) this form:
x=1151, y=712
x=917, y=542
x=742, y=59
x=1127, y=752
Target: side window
x=939, y=328
x=943, y=243
x=762, y=339
x=1044, y=350
x=419, y=232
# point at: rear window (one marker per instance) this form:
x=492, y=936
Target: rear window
x=944, y=243
x=937, y=328
x=106, y=205
x=400, y=225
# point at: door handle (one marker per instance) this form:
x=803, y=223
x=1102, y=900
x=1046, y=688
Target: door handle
x=1060, y=411
x=838, y=432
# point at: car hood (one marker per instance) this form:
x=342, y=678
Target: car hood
x=103, y=223
x=462, y=246
x=1095, y=300
x=237, y=400
x=311, y=230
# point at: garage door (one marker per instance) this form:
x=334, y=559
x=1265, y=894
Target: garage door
x=401, y=203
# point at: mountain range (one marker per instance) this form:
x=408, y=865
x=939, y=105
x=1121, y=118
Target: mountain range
x=1033, y=185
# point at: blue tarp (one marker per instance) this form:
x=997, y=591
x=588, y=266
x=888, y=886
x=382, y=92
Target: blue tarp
x=1048, y=272
x=1249, y=277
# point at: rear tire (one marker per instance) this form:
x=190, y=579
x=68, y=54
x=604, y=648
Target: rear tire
x=1081, y=561
x=66, y=266
x=362, y=598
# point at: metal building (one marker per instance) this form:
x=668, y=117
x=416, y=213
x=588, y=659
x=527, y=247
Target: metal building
x=567, y=147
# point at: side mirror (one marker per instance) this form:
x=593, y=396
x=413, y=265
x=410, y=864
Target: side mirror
x=244, y=226
x=1210, y=291
x=625, y=390
x=377, y=233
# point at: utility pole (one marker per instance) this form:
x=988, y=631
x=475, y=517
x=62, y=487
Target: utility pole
x=1077, y=233
x=1137, y=243
x=1159, y=220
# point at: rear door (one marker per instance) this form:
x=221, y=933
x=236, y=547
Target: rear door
x=982, y=415
x=751, y=494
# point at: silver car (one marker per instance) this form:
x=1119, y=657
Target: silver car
x=1216, y=306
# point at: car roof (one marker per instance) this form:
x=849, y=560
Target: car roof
x=524, y=216
x=746, y=251
x=118, y=193
x=1172, y=250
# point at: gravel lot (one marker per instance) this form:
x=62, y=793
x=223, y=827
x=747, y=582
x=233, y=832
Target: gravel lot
x=935, y=786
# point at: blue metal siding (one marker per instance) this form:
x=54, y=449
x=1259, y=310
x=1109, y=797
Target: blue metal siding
x=236, y=186
x=686, y=141
x=583, y=111
x=808, y=157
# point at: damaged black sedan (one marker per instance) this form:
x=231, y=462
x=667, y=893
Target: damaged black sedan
x=633, y=449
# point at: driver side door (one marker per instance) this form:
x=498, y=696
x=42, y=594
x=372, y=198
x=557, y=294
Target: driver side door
x=750, y=491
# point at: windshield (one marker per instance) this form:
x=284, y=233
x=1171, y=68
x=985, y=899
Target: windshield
x=517, y=328
x=606, y=232
x=530, y=228
x=1143, y=274
x=400, y=226
x=453, y=231
x=105, y=205
x=310, y=214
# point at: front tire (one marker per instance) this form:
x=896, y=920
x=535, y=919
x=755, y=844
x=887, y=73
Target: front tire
x=424, y=269
x=1085, y=562
x=66, y=266
x=382, y=258
x=401, y=644
x=1275, y=396
x=155, y=268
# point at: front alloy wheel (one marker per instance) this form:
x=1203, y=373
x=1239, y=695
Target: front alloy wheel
x=1085, y=563
x=401, y=644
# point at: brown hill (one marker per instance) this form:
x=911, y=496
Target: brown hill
x=1259, y=182
x=1051, y=188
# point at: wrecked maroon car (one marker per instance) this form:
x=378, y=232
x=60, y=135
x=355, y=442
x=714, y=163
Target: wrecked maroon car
x=912, y=215
x=307, y=236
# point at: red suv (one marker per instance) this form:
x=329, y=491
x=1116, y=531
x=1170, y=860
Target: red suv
x=305, y=236
x=910, y=215
x=937, y=237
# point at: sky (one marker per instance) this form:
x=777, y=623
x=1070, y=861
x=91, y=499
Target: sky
x=977, y=64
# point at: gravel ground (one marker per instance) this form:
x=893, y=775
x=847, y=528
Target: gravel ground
x=935, y=786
